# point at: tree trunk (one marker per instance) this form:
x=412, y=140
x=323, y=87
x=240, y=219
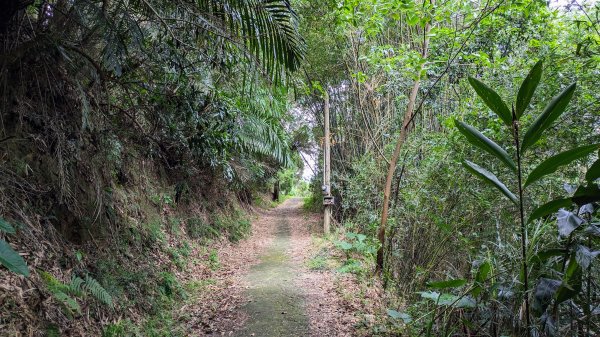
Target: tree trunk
x=276, y=190
x=408, y=115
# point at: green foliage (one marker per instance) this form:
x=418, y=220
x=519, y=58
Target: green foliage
x=478, y=139
x=170, y=286
x=213, y=260
x=197, y=228
x=9, y=258
x=528, y=89
x=552, y=164
x=548, y=290
x=552, y=111
x=489, y=178
x=358, y=249
x=492, y=100
x=317, y=263
x=68, y=293
x=312, y=203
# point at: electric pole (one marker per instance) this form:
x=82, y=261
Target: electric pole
x=327, y=197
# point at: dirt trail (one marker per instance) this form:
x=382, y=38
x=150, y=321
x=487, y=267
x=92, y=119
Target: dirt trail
x=276, y=304
x=264, y=288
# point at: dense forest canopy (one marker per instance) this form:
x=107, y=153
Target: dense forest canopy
x=465, y=141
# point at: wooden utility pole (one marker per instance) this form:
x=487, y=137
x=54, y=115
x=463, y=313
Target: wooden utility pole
x=327, y=171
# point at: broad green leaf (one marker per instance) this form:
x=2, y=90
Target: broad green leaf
x=593, y=229
x=447, y=284
x=567, y=222
x=6, y=227
x=480, y=277
x=490, y=178
x=593, y=172
x=484, y=270
x=344, y=245
x=586, y=194
x=546, y=254
x=399, y=315
x=544, y=292
x=492, y=100
x=552, y=111
x=584, y=256
x=12, y=260
x=552, y=164
x=528, y=88
x=571, y=284
x=550, y=207
x=449, y=299
x=478, y=139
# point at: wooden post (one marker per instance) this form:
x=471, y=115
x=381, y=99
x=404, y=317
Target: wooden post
x=327, y=171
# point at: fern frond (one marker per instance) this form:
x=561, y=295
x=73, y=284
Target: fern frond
x=93, y=287
x=68, y=302
x=76, y=286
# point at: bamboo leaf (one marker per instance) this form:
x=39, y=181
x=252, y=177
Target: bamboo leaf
x=479, y=140
x=490, y=178
x=552, y=111
x=12, y=260
x=550, y=207
x=551, y=164
x=528, y=88
x=492, y=100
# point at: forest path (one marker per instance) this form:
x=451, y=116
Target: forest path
x=264, y=287
x=276, y=305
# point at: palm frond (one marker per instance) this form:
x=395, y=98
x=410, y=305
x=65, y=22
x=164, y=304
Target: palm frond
x=257, y=136
x=267, y=28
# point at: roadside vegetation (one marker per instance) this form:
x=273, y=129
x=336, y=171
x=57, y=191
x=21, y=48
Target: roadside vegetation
x=138, y=139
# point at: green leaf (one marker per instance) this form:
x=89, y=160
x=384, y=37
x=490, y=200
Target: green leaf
x=447, y=284
x=528, y=88
x=482, y=273
x=544, y=255
x=544, y=291
x=552, y=164
x=490, y=178
x=571, y=284
x=584, y=256
x=593, y=229
x=492, y=100
x=399, y=315
x=478, y=139
x=6, y=227
x=552, y=111
x=12, y=260
x=481, y=277
x=586, y=194
x=344, y=245
x=593, y=172
x=448, y=299
x=550, y=207
x=69, y=302
x=567, y=222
